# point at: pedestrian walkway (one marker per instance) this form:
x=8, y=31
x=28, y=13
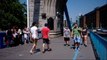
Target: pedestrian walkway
x=59, y=51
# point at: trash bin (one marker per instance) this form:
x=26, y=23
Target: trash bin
x=2, y=42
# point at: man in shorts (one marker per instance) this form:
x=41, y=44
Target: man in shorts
x=45, y=35
x=34, y=37
x=66, y=36
x=76, y=36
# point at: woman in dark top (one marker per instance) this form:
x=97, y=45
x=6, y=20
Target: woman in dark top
x=8, y=38
x=84, y=36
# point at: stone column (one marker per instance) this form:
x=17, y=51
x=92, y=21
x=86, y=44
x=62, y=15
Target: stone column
x=43, y=9
x=97, y=19
x=84, y=21
x=31, y=11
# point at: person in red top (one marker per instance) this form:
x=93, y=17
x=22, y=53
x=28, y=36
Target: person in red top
x=45, y=35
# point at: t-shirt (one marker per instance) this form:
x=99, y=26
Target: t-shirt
x=34, y=32
x=84, y=32
x=45, y=32
x=76, y=31
x=66, y=32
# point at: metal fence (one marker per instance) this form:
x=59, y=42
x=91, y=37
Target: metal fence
x=100, y=45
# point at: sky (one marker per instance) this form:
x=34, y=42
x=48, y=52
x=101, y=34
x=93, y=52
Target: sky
x=22, y=1
x=78, y=7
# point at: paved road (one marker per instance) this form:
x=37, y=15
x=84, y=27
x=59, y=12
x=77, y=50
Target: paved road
x=59, y=51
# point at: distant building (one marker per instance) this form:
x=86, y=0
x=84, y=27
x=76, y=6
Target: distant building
x=95, y=19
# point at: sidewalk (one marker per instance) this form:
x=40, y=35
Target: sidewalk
x=59, y=51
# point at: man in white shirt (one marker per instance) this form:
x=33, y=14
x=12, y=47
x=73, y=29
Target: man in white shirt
x=66, y=36
x=34, y=36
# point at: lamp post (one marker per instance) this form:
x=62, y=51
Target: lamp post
x=58, y=20
x=28, y=22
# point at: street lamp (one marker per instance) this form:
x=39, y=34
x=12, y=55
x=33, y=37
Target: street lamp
x=57, y=18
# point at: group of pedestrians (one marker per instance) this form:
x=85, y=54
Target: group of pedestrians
x=77, y=35
x=34, y=37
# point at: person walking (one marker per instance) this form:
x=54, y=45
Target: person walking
x=34, y=37
x=76, y=36
x=45, y=35
x=67, y=36
x=84, y=36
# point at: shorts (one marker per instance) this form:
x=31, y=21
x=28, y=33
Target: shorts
x=66, y=38
x=34, y=37
x=34, y=40
x=77, y=39
x=46, y=41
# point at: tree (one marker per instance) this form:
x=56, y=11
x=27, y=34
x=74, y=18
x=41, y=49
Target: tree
x=12, y=12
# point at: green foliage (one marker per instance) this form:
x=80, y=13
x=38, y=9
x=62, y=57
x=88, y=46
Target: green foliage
x=12, y=13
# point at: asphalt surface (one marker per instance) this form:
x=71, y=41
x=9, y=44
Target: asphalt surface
x=59, y=52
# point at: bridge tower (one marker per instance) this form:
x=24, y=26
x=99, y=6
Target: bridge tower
x=47, y=11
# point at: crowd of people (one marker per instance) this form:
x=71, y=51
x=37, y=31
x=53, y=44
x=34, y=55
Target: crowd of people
x=16, y=36
x=77, y=35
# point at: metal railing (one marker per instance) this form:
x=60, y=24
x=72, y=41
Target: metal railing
x=100, y=45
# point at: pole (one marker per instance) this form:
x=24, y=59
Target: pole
x=28, y=22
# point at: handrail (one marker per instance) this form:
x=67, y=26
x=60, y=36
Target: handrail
x=100, y=45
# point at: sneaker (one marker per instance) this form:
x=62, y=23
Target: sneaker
x=85, y=45
x=68, y=44
x=78, y=48
x=49, y=49
x=73, y=47
x=65, y=44
x=43, y=51
x=31, y=52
